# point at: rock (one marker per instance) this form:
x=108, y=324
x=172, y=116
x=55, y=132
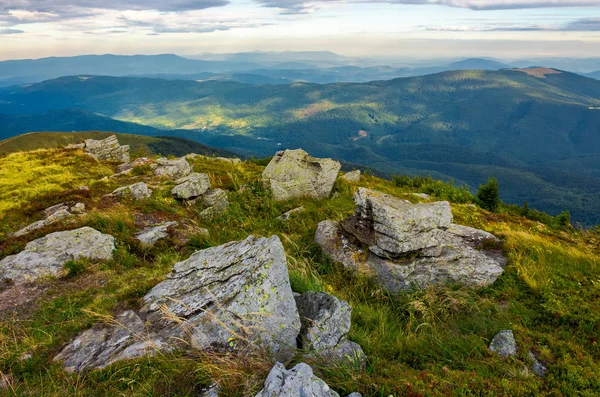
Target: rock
x=325, y=326
x=232, y=160
x=131, y=165
x=83, y=188
x=422, y=195
x=410, y=246
x=351, y=177
x=52, y=218
x=297, y=382
x=355, y=394
x=172, y=168
x=137, y=191
x=294, y=174
x=504, y=344
x=75, y=146
x=536, y=366
x=151, y=235
x=6, y=381
x=392, y=227
x=230, y=297
x=78, y=208
x=217, y=203
x=107, y=149
x=211, y=391
x=47, y=255
x=284, y=217
x=191, y=186
x=55, y=208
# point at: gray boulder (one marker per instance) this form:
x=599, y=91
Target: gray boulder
x=504, y=344
x=351, y=177
x=191, y=186
x=55, y=208
x=107, y=149
x=231, y=297
x=54, y=217
x=152, y=234
x=174, y=169
x=216, y=202
x=47, y=255
x=410, y=246
x=299, y=381
x=137, y=191
x=294, y=174
x=536, y=365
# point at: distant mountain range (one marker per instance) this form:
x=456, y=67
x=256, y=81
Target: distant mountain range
x=536, y=130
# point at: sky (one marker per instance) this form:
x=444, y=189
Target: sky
x=415, y=29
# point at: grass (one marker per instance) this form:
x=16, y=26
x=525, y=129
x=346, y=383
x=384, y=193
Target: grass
x=425, y=343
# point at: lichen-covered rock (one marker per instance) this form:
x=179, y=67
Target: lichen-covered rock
x=55, y=208
x=325, y=326
x=231, y=160
x=107, y=149
x=504, y=344
x=78, y=208
x=152, y=234
x=47, y=255
x=131, y=165
x=294, y=174
x=285, y=216
x=536, y=366
x=351, y=177
x=391, y=226
x=54, y=217
x=299, y=381
x=175, y=169
x=191, y=186
x=408, y=246
x=217, y=203
x=137, y=191
x=234, y=296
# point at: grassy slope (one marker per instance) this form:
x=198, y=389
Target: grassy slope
x=429, y=343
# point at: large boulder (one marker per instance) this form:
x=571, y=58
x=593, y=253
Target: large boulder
x=234, y=296
x=406, y=246
x=294, y=174
x=325, y=326
x=137, y=191
x=175, y=169
x=299, y=381
x=46, y=256
x=191, y=186
x=107, y=149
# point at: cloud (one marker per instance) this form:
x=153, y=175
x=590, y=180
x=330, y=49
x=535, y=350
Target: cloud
x=11, y=31
x=304, y=6
x=59, y=6
x=579, y=25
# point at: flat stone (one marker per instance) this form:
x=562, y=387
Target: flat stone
x=191, y=186
x=504, y=344
x=153, y=234
x=294, y=174
x=54, y=217
x=47, y=255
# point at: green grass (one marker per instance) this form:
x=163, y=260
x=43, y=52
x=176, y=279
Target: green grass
x=426, y=343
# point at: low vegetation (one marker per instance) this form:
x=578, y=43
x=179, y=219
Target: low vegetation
x=424, y=343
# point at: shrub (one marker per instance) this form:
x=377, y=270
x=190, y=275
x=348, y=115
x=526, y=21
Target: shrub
x=488, y=195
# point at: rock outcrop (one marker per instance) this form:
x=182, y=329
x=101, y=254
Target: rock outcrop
x=191, y=186
x=409, y=246
x=107, y=149
x=298, y=381
x=153, y=234
x=47, y=255
x=351, y=177
x=174, y=169
x=325, y=326
x=294, y=174
x=504, y=344
x=137, y=191
x=231, y=297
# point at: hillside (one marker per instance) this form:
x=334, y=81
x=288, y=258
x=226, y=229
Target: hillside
x=466, y=126
x=424, y=342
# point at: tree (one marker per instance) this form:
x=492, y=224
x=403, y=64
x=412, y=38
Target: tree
x=563, y=219
x=488, y=195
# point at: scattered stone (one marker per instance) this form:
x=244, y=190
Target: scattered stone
x=504, y=344
x=151, y=235
x=352, y=176
x=298, y=381
x=410, y=245
x=536, y=366
x=131, y=165
x=55, y=208
x=211, y=391
x=53, y=218
x=284, y=217
x=294, y=174
x=107, y=149
x=47, y=255
x=217, y=203
x=232, y=160
x=325, y=326
x=230, y=297
x=84, y=188
x=172, y=168
x=424, y=196
x=78, y=208
x=137, y=191
x=191, y=186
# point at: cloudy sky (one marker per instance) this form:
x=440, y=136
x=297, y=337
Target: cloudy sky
x=400, y=28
